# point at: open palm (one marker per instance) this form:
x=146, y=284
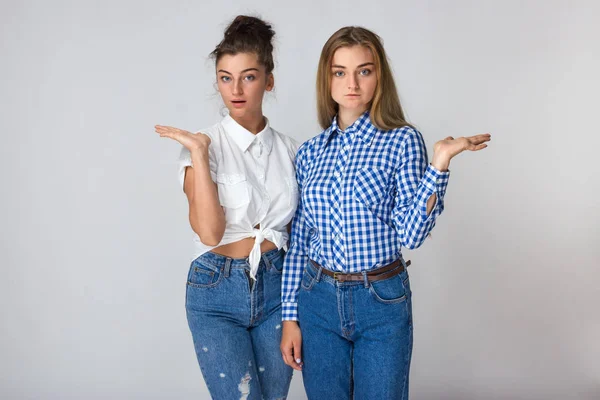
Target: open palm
x=192, y=141
x=451, y=147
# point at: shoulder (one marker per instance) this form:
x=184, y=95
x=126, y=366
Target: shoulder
x=310, y=149
x=288, y=142
x=404, y=137
x=214, y=132
x=406, y=143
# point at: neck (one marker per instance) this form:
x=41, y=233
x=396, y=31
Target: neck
x=347, y=117
x=252, y=123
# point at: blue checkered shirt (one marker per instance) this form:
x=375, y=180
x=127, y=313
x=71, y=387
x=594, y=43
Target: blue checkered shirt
x=363, y=195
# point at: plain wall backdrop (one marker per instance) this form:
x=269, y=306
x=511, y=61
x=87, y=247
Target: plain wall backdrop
x=95, y=242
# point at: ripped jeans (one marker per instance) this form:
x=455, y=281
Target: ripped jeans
x=236, y=326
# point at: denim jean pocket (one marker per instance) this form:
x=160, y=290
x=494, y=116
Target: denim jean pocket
x=276, y=265
x=204, y=275
x=391, y=291
x=308, y=278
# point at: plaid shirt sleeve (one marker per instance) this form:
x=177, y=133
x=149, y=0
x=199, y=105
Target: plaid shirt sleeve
x=416, y=182
x=297, y=254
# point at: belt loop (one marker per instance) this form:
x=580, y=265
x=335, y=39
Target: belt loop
x=227, y=267
x=266, y=261
x=319, y=272
x=403, y=262
x=365, y=279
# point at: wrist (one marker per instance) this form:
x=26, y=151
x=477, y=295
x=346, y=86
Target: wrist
x=440, y=162
x=441, y=166
x=200, y=153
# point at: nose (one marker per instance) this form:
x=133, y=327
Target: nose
x=236, y=89
x=352, y=82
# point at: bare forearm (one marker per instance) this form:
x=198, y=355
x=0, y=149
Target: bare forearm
x=441, y=162
x=431, y=203
x=206, y=214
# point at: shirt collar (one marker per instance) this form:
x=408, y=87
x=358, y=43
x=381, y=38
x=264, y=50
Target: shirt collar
x=244, y=138
x=362, y=127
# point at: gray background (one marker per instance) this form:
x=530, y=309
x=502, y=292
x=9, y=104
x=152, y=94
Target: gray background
x=95, y=239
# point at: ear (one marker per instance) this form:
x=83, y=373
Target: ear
x=270, y=82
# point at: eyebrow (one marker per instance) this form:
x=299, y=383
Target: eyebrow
x=246, y=70
x=360, y=66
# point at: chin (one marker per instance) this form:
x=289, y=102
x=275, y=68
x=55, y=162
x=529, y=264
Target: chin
x=354, y=106
x=237, y=112
x=245, y=112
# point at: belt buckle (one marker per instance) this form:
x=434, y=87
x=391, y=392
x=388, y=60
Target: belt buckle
x=335, y=276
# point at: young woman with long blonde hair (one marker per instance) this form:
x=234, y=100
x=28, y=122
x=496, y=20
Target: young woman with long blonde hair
x=366, y=191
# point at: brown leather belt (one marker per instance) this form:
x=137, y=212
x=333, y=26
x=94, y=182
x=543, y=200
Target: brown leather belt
x=379, y=274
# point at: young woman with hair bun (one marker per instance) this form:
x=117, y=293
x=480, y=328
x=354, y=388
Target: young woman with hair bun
x=239, y=179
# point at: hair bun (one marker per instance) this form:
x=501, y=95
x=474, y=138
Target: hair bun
x=248, y=34
x=244, y=24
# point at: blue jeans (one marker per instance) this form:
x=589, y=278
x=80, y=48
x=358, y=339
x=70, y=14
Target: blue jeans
x=236, y=326
x=356, y=336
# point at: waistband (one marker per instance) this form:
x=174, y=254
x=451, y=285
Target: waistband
x=397, y=267
x=218, y=260
x=377, y=274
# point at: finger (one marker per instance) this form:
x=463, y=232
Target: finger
x=288, y=357
x=298, y=354
x=178, y=138
x=286, y=354
x=160, y=128
x=166, y=129
x=167, y=134
x=479, y=139
x=478, y=147
x=173, y=134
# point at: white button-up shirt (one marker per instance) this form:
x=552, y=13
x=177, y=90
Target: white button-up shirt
x=256, y=183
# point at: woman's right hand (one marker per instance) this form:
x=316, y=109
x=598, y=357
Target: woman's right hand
x=192, y=141
x=291, y=345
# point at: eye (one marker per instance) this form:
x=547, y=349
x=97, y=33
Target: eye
x=365, y=72
x=338, y=74
x=225, y=78
x=250, y=78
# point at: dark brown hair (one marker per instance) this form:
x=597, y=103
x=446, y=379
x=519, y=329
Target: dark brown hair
x=386, y=111
x=247, y=34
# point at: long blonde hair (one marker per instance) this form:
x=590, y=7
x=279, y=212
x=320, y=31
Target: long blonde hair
x=386, y=112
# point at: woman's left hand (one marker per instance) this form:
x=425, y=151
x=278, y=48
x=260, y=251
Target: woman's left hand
x=444, y=150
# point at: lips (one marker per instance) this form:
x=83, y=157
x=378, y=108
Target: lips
x=238, y=103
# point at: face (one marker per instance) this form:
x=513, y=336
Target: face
x=353, y=78
x=242, y=82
